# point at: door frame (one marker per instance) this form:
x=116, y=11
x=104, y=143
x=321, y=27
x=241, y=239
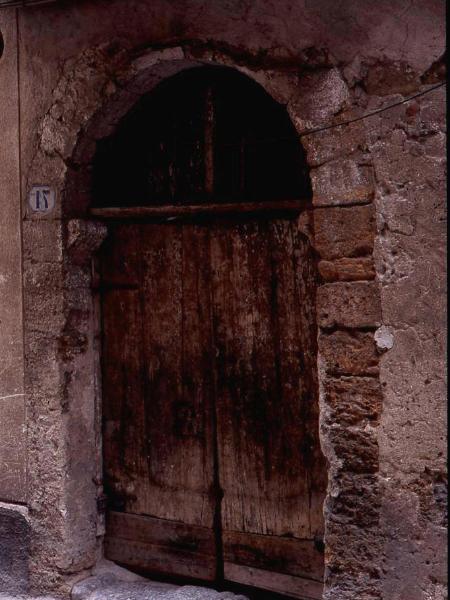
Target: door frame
x=163, y=532
x=60, y=331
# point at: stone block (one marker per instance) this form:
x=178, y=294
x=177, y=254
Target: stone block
x=43, y=368
x=344, y=232
x=43, y=297
x=386, y=78
x=42, y=241
x=356, y=448
x=322, y=94
x=14, y=550
x=355, y=304
x=347, y=269
x=355, y=550
x=348, y=353
x=342, y=182
x=12, y=449
x=43, y=310
x=353, y=400
x=358, y=501
x=339, y=142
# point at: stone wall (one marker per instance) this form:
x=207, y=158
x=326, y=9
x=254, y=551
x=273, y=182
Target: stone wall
x=376, y=224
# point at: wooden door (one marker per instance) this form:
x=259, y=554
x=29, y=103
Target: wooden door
x=212, y=460
x=158, y=415
x=269, y=464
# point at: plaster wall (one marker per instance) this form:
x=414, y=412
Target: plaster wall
x=12, y=469
x=13, y=518
x=408, y=147
x=377, y=226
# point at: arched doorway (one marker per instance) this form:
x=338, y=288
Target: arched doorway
x=212, y=462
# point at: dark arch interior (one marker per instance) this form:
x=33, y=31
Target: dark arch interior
x=208, y=134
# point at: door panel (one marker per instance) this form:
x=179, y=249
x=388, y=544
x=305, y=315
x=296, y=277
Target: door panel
x=123, y=385
x=264, y=399
x=260, y=390
x=209, y=390
x=176, y=346
x=158, y=445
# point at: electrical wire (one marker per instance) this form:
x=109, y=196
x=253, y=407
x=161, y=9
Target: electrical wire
x=371, y=114
x=9, y=3
x=308, y=132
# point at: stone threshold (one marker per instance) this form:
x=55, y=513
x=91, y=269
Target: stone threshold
x=111, y=582
x=108, y=587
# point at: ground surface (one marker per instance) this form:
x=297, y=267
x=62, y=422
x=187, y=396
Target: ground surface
x=99, y=588
x=111, y=582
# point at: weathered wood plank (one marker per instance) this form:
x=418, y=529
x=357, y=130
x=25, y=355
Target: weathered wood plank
x=119, y=257
x=242, y=298
x=179, y=461
x=260, y=381
x=123, y=388
x=305, y=273
x=136, y=212
x=296, y=587
x=274, y=553
x=161, y=546
x=123, y=407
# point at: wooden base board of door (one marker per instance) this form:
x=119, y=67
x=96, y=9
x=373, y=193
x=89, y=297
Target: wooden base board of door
x=289, y=585
x=174, y=548
x=275, y=554
x=161, y=546
x=285, y=565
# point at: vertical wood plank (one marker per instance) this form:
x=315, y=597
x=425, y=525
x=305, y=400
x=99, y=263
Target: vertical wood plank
x=123, y=407
x=263, y=388
x=178, y=434
x=304, y=270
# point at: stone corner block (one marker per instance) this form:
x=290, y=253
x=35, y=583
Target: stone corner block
x=356, y=448
x=344, y=231
x=347, y=269
x=84, y=238
x=353, y=400
x=354, y=305
x=342, y=182
x=42, y=241
x=349, y=353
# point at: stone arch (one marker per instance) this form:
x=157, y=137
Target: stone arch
x=95, y=90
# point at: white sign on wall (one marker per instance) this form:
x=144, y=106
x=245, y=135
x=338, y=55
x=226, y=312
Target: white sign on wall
x=41, y=199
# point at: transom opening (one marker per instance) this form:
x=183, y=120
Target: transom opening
x=208, y=134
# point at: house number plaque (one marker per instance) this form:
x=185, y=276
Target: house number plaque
x=42, y=199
